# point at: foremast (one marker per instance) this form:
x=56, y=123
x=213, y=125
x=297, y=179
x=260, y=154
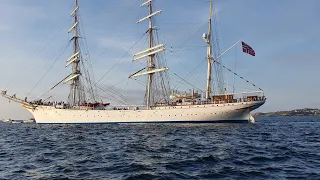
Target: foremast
x=74, y=77
x=150, y=53
x=207, y=38
x=77, y=92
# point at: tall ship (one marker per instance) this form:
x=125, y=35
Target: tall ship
x=162, y=104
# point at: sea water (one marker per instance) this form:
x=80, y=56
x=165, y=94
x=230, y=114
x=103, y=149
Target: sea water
x=272, y=148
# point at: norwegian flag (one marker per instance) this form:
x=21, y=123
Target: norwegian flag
x=248, y=49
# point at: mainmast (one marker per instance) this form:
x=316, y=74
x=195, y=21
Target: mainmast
x=150, y=59
x=209, y=57
x=150, y=53
x=74, y=60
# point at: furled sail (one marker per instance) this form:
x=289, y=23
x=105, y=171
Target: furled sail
x=72, y=76
x=75, y=25
x=154, y=51
x=74, y=11
x=148, y=72
x=149, y=16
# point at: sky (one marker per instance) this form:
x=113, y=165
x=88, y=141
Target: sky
x=284, y=34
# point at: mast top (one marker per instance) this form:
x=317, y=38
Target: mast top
x=211, y=9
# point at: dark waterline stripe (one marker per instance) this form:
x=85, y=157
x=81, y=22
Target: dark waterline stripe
x=161, y=122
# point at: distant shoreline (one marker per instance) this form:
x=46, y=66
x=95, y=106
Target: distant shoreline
x=296, y=112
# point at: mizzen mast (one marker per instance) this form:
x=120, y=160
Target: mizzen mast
x=150, y=53
x=207, y=38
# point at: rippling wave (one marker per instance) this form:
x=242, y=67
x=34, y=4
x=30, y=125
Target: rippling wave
x=273, y=148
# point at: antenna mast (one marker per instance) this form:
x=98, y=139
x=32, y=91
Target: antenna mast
x=207, y=38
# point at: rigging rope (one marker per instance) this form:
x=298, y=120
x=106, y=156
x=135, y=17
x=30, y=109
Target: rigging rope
x=186, y=81
x=219, y=73
x=120, y=58
x=185, y=66
x=110, y=48
x=117, y=22
x=38, y=47
x=49, y=69
x=126, y=102
x=238, y=75
x=89, y=77
x=235, y=69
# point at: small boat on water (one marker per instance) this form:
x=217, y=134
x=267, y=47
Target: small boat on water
x=7, y=120
x=31, y=120
x=16, y=121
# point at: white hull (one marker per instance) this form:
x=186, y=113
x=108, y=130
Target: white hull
x=235, y=112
